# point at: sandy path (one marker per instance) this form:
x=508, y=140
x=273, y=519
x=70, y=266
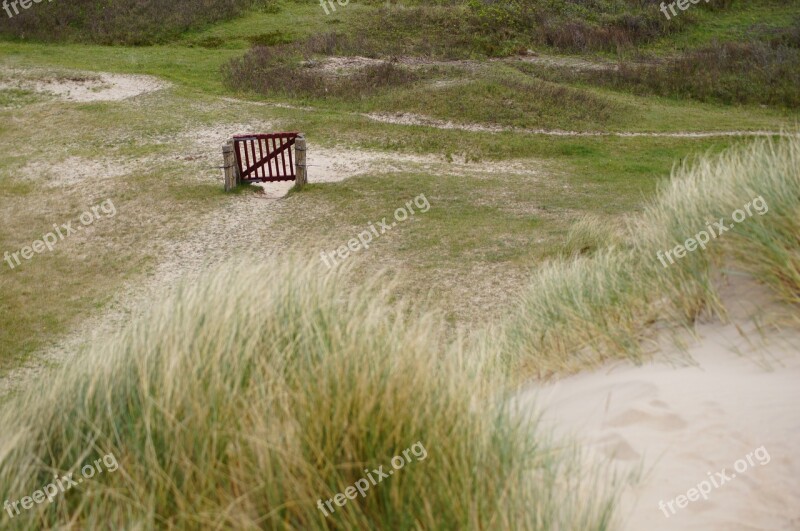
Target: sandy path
x=217, y=236
x=343, y=65
x=682, y=421
x=410, y=119
x=418, y=120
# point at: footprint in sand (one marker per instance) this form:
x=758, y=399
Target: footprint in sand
x=614, y=446
x=661, y=421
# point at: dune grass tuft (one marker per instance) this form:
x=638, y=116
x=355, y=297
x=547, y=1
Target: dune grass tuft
x=580, y=313
x=259, y=390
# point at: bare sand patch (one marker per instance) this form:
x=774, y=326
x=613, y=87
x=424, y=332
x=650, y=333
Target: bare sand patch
x=732, y=390
x=560, y=61
x=81, y=86
x=74, y=170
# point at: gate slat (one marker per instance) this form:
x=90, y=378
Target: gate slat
x=274, y=150
x=271, y=150
x=253, y=149
x=283, y=158
x=246, y=156
x=261, y=154
x=291, y=160
x=272, y=156
x=278, y=144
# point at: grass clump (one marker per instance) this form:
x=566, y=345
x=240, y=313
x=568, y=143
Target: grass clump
x=579, y=313
x=257, y=391
x=588, y=235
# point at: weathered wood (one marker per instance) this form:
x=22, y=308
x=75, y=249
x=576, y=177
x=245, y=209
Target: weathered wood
x=230, y=167
x=300, y=172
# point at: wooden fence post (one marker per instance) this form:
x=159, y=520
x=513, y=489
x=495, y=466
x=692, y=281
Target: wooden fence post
x=300, y=164
x=231, y=170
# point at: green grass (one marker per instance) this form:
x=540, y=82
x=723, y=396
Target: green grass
x=296, y=21
x=733, y=24
x=11, y=98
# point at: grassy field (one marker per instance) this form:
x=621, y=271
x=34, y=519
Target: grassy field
x=509, y=222
x=533, y=259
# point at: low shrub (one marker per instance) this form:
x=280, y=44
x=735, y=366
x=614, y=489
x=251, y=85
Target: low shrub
x=764, y=69
x=728, y=73
x=280, y=71
x=138, y=22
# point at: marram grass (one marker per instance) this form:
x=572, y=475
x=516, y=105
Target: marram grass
x=255, y=392
x=579, y=313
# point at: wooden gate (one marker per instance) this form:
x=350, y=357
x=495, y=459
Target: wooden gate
x=265, y=157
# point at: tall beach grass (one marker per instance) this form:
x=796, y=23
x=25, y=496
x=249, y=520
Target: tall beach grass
x=259, y=390
x=577, y=314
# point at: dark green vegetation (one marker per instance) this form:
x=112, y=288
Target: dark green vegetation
x=764, y=68
x=119, y=22
x=757, y=63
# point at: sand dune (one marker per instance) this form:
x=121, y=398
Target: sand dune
x=731, y=393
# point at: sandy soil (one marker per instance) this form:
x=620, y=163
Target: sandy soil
x=74, y=170
x=572, y=63
x=81, y=86
x=350, y=64
x=426, y=121
x=731, y=392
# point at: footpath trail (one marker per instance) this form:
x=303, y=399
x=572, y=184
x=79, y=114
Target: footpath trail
x=410, y=119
